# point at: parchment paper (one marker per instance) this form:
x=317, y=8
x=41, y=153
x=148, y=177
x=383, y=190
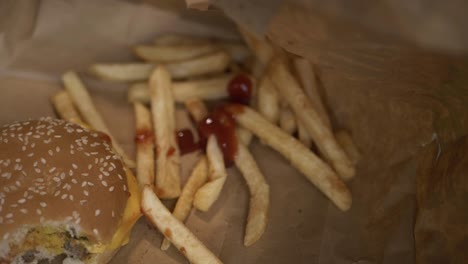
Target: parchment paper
x=395, y=100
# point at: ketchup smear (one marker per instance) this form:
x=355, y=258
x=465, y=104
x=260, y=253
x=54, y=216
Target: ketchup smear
x=240, y=89
x=186, y=141
x=221, y=124
x=143, y=136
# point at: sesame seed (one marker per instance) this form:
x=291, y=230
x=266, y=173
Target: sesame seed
x=10, y=215
x=23, y=148
x=56, y=179
x=64, y=196
x=86, y=193
x=83, y=202
x=37, y=170
x=70, y=173
x=33, y=145
x=77, y=221
x=35, y=164
x=13, y=205
x=83, y=184
x=120, y=176
x=74, y=166
x=38, y=211
x=85, y=174
x=62, y=175
x=22, y=201
x=51, y=153
x=18, y=160
x=24, y=211
x=43, y=204
x=97, y=212
x=105, y=173
x=125, y=187
x=111, y=189
x=90, y=166
x=104, y=183
x=90, y=184
x=113, y=213
x=57, y=193
x=43, y=161
x=30, y=154
x=74, y=181
x=52, y=169
x=71, y=197
x=57, y=149
x=95, y=231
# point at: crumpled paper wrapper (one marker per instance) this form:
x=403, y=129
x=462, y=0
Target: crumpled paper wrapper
x=406, y=109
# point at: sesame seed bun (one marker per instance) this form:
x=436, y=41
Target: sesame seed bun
x=59, y=183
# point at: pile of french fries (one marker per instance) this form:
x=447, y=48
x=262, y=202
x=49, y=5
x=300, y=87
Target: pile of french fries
x=285, y=112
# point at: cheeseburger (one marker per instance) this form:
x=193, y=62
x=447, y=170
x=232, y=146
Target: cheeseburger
x=65, y=196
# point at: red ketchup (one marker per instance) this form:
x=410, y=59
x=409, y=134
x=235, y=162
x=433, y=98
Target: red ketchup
x=240, y=89
x=221, y=124
x=186, y=141
x=143, y=136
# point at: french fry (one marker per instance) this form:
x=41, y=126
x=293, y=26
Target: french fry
x=184, y=203
x=306, y=76
x=259, y=194
x=268, y=100
x=244, y=135
x=290, y=90
x=303, y=135
x=197, y=109
x=207, y=89
x=315, y=170
x=209, y=64
x=167, y=150
x=237, y=51
x=144, y=144
x=179, y=39
x=122, y=72
x=287, y=120
x=126, y=72
x=82, y=100
x=172, y=53
x=347, y=143
x=175, y=231
x=64, y=106
x=262, y=50
x=209, y=192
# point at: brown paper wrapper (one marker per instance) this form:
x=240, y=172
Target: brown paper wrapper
x=405, y=108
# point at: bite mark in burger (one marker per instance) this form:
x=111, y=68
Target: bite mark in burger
x=63, y=194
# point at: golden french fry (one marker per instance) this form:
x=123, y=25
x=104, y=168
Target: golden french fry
x=144, y=144
x=197, y=109
x=287, y=120
x=64, y=106
x=303, y=135
x=306, y=76
x=126, y=72
x=209, y=64
x=299, y=103
x=207, y=89
x=347, y=143
x=179, y=39
x=209, y=192
x=268, y=100
x=184, y=240
x=259, y=194
x=184, y=203
x=162, y=54
x=262, y=50
x=82, y=100
x=122, y=72
x=315, y=170
x=238, y=52
x=244, y=135
x=167, y=150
